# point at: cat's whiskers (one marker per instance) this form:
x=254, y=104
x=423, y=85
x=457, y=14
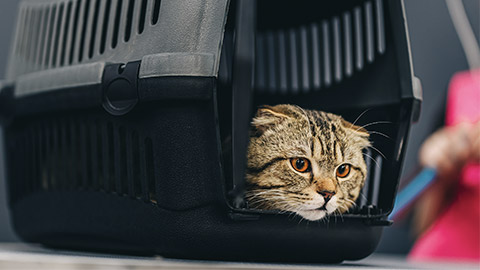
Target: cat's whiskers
x=339, y=213
x=256, y=193
x=358, y=118
x=255, y=198
x=351, y=201
x=273, y=196
x=342, y=206
x=307, y=118
x=374, y=148
x=379, y=133
x=367, y=155
x=264, y=198
x=275, y=199
x=277, y=206
x=367, y=125
x=374, y=123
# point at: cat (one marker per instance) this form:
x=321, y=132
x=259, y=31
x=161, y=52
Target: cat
x=304, y=161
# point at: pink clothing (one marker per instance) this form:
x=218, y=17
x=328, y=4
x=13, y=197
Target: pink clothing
x=455, y=235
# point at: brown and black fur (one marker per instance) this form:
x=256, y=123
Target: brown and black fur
x=283, y=132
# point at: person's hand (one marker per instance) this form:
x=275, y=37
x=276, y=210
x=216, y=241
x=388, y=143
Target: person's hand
x=450, y=148
x=447, y=150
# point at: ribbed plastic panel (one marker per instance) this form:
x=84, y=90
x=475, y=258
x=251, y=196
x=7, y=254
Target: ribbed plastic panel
x=58, y=33
x=314, y=56
x=55, y=34
x=78, y=153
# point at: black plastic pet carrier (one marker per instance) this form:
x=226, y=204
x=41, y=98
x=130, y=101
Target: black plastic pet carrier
x=126, y=122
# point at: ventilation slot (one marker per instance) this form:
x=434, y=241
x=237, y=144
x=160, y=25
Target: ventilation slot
x=31, y=163
x=370, y=192
x=271, y=60
x=120, y=161
x=347, y=37
x=93, y=30
x=56, y=158
x=318, y=55
x=20, y=32
x=76, y=156
x=36, y=36
x=106, y=18
x=49, y=156
x=30, y=35
x=38, y=155
x=84, y=156
x=141, y=18
x=152, y=194
x=45, y=13
x=49, y=36
x=259, y=64
x=282, y=63
x=110, y=160
x=380, y=26
x=75, y=31
x=358, y=38
x=63, y=154
x=128, y=26
x=327, y=74
x=63, y=48
x=156, y=11
x=305, y=67
x=107, y=162
x=69, y=153
x=86, y=9
x=337, y=47
x=129, y=161
x=136, y=183
x=369, y=30
x=58, y=26
x=27, y=36
x=116, y=25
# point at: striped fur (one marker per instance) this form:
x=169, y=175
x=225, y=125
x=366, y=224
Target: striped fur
x=284, y=132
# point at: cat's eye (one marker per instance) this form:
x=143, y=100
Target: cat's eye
x=300, y=164
x=343, y=170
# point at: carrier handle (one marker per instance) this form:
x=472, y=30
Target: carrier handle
x=418, y=98
x=242, y=87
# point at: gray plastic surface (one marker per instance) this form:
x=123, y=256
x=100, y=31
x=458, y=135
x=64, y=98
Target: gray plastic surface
x=177, y=64
x=417, y=88
x=54, y=79
x=187, y=36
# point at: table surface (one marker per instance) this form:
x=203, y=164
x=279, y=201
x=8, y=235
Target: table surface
x=24, y=256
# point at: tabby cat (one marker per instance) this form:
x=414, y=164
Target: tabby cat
x=304, y=161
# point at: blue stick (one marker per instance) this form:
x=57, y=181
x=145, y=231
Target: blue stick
x=411, y=192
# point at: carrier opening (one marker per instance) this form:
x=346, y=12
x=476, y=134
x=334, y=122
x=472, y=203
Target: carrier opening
x=321, y=56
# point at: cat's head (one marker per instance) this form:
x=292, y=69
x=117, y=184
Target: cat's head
x=302, y=161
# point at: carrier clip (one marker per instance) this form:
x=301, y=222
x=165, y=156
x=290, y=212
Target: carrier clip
x=120, y=93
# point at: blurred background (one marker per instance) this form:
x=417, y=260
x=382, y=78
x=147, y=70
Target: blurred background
x=437, y=55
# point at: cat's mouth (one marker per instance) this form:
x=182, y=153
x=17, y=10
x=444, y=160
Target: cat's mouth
x=321, y=208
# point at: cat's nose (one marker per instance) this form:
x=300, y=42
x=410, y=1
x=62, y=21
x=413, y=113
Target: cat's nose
x=327, y=194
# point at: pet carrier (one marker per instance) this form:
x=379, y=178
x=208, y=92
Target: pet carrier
x=118, y=116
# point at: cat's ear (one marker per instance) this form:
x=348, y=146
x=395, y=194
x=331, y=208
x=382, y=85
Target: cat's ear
x=359, y=131
x=268, y=116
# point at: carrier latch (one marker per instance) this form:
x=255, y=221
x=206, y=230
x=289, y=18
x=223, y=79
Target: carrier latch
x=120, y=93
